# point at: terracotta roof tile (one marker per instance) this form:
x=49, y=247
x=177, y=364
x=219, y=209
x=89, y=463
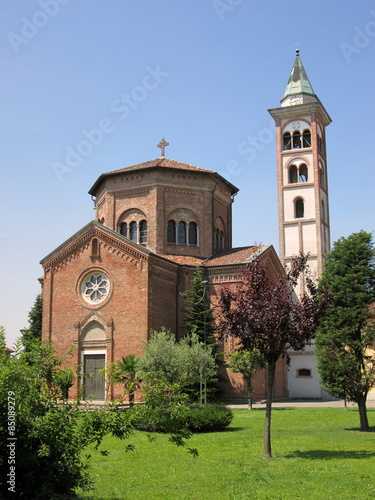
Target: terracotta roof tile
x=161, y=162
x=184, y=260
x=240, y=255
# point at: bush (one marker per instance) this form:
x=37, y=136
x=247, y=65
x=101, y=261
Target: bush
x=209, y=418
x=51, y=434
x=172, y=418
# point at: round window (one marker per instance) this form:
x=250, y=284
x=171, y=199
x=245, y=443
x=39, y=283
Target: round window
x=95, y=287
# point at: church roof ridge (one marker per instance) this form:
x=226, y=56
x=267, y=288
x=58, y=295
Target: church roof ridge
x=298, y=82
x=159, y=162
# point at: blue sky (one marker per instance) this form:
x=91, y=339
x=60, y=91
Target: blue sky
x=201, y=73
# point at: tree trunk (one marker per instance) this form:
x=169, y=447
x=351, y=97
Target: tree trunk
x=363, y=413
x=249, y=393
x=267, y=424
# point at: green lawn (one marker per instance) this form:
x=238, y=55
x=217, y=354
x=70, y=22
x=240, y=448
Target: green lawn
x=319, y=453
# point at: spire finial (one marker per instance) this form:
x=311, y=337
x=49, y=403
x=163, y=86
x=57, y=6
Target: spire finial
x=162, y=145
x=297, y=52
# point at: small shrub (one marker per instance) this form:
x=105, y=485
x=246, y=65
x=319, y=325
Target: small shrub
x=172, y=418
x=209, y=418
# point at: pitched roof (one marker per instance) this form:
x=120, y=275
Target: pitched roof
x=298, y=82
x=159, y=163
x=241, y=255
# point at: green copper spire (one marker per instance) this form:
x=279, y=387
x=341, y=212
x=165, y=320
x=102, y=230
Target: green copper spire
x=299, y=82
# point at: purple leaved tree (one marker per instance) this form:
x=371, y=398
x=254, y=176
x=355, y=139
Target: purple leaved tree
x=264, y=313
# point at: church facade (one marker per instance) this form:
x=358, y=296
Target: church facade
x=125, y=272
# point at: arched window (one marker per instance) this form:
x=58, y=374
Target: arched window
x=222, y=240
x=322, y=177
x=181, y=233
x=193, y=234
x=303, y=177
x=297, y=140
x=299, y=208
x=323, y=212
x=133, y=231
x=171, y=232
x=124, y=229
x=293, y=174
x=143, y=232
x=306, y=139
x=287, y=141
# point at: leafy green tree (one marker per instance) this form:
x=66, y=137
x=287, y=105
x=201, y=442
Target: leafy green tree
x=176, y=364
x=246, y=362
x=125, y=372
x=345, y=361
x=50, y=436
x=262, y=313
x=34, y=331
x=198, y=314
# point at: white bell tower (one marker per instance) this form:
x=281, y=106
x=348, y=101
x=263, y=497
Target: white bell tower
x=302, y=200
x=302, y=171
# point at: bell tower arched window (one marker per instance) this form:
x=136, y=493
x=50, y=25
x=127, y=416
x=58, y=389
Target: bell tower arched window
x=303, y=176
x=306, y=139
x=298, y=174
x=299, y=208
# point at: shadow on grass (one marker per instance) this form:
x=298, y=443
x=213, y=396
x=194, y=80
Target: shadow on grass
x=329, y=455
x=371, y=429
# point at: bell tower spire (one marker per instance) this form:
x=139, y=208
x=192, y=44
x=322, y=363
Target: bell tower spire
x=302, y=171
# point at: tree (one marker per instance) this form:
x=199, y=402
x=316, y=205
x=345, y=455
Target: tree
x=48, y=437
x=247, y=363
x=263, y=313
x=198, y=314
x=34, y=331
x=345, y=362
x=125, y=372
x=176, y=365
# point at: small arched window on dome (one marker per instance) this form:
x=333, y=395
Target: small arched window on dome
x=306, y=139
x=299, y=208
x=193, y=233
x=133, y=230
x=143, y=232
x=124, y=229
x=287, y=141
x=181, y=233
x=171, y=231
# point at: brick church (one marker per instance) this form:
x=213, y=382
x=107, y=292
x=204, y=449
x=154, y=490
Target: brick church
x=124, y=273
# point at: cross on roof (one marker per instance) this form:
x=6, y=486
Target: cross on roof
x=162, y=145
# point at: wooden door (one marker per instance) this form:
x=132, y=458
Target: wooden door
x=93, y=378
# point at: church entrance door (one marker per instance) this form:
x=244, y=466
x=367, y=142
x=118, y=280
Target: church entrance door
x=93, y=378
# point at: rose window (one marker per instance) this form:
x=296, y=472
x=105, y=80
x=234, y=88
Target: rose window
x=95, y=287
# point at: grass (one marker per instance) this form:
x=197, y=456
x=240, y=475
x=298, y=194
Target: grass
x=319, y=453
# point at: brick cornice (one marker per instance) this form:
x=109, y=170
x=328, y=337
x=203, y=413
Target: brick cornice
x=79, y=243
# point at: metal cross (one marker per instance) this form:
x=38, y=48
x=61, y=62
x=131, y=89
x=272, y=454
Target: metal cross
x=162, y=144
